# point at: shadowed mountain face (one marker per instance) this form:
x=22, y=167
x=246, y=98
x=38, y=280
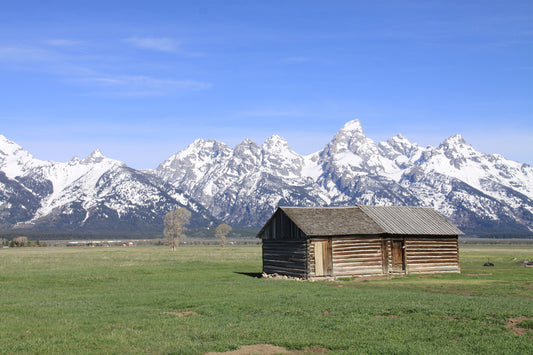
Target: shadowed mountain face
x=242, y=186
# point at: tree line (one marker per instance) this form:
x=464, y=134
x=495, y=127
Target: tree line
x=176, y=223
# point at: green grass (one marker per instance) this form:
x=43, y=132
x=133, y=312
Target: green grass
x=126, y=300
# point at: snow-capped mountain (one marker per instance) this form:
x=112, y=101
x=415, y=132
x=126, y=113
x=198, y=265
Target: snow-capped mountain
x=243, y=185
x=91, y=194
x=479, y=192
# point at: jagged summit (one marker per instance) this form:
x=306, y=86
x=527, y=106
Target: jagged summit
x=353, y=126
x=243, y=185
x=95, y=157
x=7, y=146
x=97, y=154
x=251, y=181
x=455, y=140
x=276, y=143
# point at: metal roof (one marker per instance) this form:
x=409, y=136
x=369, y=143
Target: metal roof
x=410, y=220
x=344, y=221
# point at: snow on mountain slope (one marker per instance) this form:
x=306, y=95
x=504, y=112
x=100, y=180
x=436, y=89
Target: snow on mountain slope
x=471, y=188
x=243, y=185
x=89, y=194
x=454, y=157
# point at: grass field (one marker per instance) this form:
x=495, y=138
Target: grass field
x=202, y=299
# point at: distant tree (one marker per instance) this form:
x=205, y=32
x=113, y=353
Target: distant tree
x=221, y=232
x=20, y=241
x=4, y=241
x=175, y=222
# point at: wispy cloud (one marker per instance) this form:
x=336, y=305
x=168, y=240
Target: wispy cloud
x=161, y=44
x=140, y=85
x=25, y=54
x=150, y=82
x=57, y=42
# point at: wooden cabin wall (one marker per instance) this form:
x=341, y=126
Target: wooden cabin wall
x=428, y=255
x=281, y=227
x=357, y=256
x=285, y=257
x=351, y=256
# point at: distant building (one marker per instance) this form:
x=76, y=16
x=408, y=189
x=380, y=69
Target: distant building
x=314, y=243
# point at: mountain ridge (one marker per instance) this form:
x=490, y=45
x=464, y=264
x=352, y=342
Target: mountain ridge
x=242, y=186
x=353, y=169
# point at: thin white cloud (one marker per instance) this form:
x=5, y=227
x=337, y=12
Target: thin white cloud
x=157, y=44
x=57, y=42
x=140, y=85
x=150, y=82
x=25, y=54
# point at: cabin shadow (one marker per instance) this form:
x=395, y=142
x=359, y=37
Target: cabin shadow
x=256, y=275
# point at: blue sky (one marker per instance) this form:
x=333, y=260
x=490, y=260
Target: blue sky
x=141, y=80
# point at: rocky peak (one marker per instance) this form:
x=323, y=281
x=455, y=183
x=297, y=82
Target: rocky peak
x=95, y=157
x=8, y=147
x=398, y=146
x=352, y=138
x=75, y=160
x=453, y=142
x=457, y=150
x=275, y=144
x=247, y=146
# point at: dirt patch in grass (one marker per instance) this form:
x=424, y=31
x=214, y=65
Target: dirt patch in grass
x=268, y=349
x=513, y=324
x=182, y=314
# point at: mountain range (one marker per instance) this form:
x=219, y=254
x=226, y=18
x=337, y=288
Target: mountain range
x=242, y=186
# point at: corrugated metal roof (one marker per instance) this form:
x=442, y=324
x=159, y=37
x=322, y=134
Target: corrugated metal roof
x=410, y=220
x=330, y=221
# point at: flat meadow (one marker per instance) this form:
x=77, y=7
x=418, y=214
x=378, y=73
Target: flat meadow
x=203, y=299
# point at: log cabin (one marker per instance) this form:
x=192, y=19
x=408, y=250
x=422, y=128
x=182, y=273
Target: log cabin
x=330, y=242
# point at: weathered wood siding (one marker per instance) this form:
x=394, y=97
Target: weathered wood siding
x=351, y=256
x=429, y=255
x=281, y=227
x=357, y=256
x=312, y=258
x=285, y=257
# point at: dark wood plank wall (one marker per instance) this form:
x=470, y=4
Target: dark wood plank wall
x=281, y=227
x=428, y=255
x=285, y=257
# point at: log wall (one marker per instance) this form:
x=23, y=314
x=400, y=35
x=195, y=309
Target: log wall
x=429, y=255
x=351, y=256
x=285, y=257
x=358, y=256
